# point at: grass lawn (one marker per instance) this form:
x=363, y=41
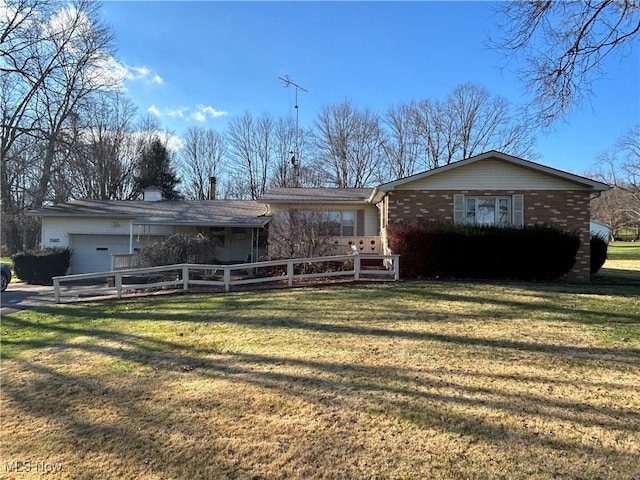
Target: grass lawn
x=622, y=265
x=424, y=380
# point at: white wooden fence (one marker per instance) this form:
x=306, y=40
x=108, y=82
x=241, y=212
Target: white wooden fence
x=187, y=275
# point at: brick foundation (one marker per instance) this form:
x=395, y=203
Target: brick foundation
x=564, y=209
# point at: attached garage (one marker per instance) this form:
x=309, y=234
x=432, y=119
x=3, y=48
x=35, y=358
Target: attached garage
x=92, y=253
x=95, y=230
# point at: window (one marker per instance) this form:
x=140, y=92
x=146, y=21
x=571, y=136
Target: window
x=332, y=223
x=348, y=222
x=488, y=210
x=340, y=223
x=498, y=211
x=218, y=233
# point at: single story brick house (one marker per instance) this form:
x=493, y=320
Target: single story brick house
x=494, y=188
x=490, y=188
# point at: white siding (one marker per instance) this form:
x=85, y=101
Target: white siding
x=371, y=216
x=56, y=230
x=490, y=174
x=600, y=229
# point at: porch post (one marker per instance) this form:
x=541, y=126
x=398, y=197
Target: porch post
x=254, y=245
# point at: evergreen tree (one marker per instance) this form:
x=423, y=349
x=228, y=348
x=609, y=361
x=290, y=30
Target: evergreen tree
x=154, y=168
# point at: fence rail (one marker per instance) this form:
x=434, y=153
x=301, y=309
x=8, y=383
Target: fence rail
x=186, y=275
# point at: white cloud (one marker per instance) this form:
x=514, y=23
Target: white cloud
x=153, y=110
x=108, y=72
x=199, y=117
x=172, y=141
x=143, y=73
x=203, y=112
x=177, y=112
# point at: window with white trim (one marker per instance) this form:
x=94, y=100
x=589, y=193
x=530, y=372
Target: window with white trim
x=488, y=210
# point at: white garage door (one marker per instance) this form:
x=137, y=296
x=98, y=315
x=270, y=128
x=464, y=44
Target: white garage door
x=92, y=253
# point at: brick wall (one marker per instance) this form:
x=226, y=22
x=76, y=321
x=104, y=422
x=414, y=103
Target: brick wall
x=565, y=209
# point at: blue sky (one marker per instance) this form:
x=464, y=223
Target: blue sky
x=202, y=63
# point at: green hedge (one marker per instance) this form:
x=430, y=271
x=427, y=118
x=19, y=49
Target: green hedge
x=471, y=251
x=40, y=266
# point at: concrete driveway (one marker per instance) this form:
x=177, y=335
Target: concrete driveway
x=22, y=296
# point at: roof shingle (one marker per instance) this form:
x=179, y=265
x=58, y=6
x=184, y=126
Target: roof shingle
x=171, y=212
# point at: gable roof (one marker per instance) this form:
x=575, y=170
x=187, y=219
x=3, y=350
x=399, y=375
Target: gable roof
x=317, y=195
x=228, y=213
x=578, y=180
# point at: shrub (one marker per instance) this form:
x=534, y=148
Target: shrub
x=415, y=242
x=179, y=248
x=599, y=247
x=38, y=267
x=472, y=251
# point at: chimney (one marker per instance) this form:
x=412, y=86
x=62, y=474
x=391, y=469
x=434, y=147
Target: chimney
x=212, y=188
x=152, y=194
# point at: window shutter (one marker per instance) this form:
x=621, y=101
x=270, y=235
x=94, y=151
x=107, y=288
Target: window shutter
x=458, y=208
x=517, y=209
x=360, y=223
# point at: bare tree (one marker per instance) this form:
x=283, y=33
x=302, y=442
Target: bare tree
x=289, y=170
x=350, y=145
x=52, y=56
x=202, y=157
x=297, y=233
x=613, y=208
x=251, y=144
x=101, y=162
x=428, y=134
x=436, y=133
x=482, y=121
x=620, y=167
x=564, y=45
x=403, y=144
x=628, y=148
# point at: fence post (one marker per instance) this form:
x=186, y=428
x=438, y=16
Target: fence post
x=356, y=266
x=290, y=272
x=185, y=277
x=396, y=267
x=118, y=281
x=227, y=278
x=56, y=290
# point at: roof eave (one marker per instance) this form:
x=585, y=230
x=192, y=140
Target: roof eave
x=257, y=224
x=316, y=202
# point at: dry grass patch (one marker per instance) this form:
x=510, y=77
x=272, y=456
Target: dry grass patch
x=390, y=381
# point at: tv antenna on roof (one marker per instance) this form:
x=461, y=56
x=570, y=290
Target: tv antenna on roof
x=295, y=160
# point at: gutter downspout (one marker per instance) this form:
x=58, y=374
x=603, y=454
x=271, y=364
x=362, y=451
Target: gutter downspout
x=130, y=237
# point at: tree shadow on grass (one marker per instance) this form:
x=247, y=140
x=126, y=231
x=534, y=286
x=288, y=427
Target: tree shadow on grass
x=464, y=403
x=418, y=396
x=54, y=335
